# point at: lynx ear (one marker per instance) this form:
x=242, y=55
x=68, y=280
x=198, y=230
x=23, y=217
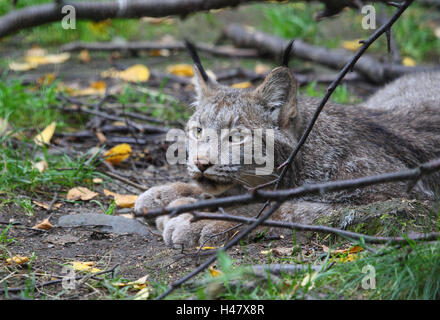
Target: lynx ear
x=278, y=92
x=203, y=84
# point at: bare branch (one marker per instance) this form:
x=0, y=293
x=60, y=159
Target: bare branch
x=369, y=67
x=259, y=196
x=315, y=228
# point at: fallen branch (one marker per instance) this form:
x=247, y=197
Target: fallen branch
x=140, y=127
x=224, y=51
x=369, y=67
x=52, y=282
x=316, y=228
x=32, y=16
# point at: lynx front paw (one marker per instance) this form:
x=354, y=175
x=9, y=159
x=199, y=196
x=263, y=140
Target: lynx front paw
x=181, y=232
x=161, y=196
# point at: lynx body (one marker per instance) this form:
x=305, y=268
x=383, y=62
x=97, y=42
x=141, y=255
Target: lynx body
x=397, y=128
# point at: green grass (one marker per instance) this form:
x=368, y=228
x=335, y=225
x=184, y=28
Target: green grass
x=18, y=174
x=410, y=272
x=340, y=95
x=414, y=31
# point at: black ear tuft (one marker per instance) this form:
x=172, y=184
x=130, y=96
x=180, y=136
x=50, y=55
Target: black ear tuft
x=195, y=57
x=286, y=54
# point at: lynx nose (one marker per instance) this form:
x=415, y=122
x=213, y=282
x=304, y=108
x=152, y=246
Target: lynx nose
x=203, y=165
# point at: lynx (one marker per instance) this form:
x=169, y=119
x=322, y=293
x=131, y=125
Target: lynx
x=396, y=128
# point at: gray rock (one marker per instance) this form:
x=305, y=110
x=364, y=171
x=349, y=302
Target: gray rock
x=106, y=223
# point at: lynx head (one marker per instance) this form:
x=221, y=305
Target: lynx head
x=240, y=120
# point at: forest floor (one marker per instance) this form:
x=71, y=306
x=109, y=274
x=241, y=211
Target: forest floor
x=32, y=100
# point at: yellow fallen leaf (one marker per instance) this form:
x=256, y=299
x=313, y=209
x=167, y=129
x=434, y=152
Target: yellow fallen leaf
x=109, y=193
x=43, y=225
x=4, y=127
x=95, y=88
x=309, y=279
x=125, y=200
x=46, y=205
x=144, y=294
x=242, y=85
x=159, y=53
x=183, y=69
x=437, y=32
x=46, y=79
x=352, y=45
x=45, y=136
x=348, y=258
x=80, y=193
x=99, y=27
x=139, y=284
x=21, y=66
x=122, y=200
x=408, y=61
x=118, y=153
x=48, y=59
x=85, y=266
x=207, y=248
x=84, y=56
x=136, y=73
x=41, y=166
x=18, y=260
x=214, y=272
x=261, y=68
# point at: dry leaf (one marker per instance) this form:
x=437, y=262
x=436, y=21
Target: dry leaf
x=45, y=136
x=36, y=57
x=84, y=56
x=46, y=79
x=18, y=260
x=125, y=200
x=352, y=45
x=109, y=193
x=46, y=205
x=261, y=69
x=139, y=284
x=159, y=53
x=85, y=266
x=43, y=225
x=144, y=294
x=408, y=61
x=101, y=137
x=136, y=73
x=183, y=69
x=214, y=272
x=80, y=193
x=118, y=153
x=41, y=166
x=122, y=200
x=95, y=88
x=242, y=85
x=4, y=127
x=437, y=32
x=281, y=252
x=100, y=27
x=207, y=248
x=309, y=279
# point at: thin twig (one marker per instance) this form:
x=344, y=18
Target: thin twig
x=316, y=228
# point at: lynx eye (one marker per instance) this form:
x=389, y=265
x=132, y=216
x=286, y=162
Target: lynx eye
x=196, y=133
